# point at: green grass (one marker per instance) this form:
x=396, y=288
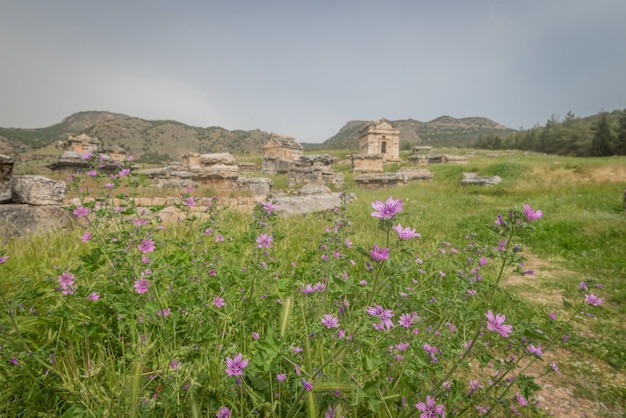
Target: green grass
x=582, y=234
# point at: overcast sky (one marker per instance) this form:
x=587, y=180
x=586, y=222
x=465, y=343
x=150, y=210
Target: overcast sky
x=305, y=68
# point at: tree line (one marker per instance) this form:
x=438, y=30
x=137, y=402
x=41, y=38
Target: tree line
x=603, y=134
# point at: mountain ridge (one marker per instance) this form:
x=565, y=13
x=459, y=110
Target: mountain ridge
x=165, y=140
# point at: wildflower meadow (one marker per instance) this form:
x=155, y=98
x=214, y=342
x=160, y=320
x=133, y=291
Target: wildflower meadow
x=231, y=315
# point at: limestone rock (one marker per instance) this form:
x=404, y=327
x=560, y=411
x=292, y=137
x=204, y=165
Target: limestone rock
x=475, y=179
x=224, y=158
x=6, y=169
x=313, y=189
x=300, y=205
x=18, y=220
x=257, y=186
x=37, y=190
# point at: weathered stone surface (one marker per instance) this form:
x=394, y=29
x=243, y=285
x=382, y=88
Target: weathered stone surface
x=275, y=165
x=257, y=186
x=313, y=189
x=336, y=179
x=6, y=170
x=416, y=173
x=37, y=190
x=223, y=158
x=379, y=180
x=215, y=173
x=367, y=163
x=300, y=205
x=299, y=176
x=19, y=220
x=316, y=160
x=455, y=159
x=474, y=179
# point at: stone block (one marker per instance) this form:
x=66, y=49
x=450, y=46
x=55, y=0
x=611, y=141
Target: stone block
x=257, y=186
x=475, y=179
x=37, y=190
x=223, y=158
x=6, y=171
x=19, y=220
x=367, y=163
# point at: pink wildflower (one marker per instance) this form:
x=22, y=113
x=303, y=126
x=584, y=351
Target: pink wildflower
x=495, y=323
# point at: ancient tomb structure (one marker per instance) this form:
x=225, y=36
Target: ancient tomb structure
x=380, y=137
x=218, y=170
x=314, y=169
x=421, y=154
x=279, y=153
x=77, y=146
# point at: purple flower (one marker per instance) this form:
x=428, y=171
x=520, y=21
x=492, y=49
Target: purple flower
x=330, y=321
x=3, y=259
x=13, y=361
x=86, y=236
x=175, y=364
x=93, y=296
x=264, y=241
x=379, y=254
x=406, y=233
x=406, y=320
x=521, y=400
x=164, y=313
x=555, y=368
x=530, y=214
x=306, y=385
x=535, y=350
x=429, y=410
x=224, y=412
x=387, y=210
x=218, y=302
x=235, y=366
x=141, y=285
x=593, y=299
x=281, y=377
x=81, y=211
x=66, y=280
x=190, y=202
x=494, y=323
x=269, y=206
x=124, y=172
x=385, y=316
x=146, y=246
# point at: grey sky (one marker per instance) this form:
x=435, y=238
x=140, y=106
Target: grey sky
x=305, y=68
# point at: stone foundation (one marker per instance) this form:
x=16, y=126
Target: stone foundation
x=367, y=163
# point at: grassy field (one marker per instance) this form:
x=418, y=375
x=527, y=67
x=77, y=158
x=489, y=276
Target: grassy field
x=582, y=236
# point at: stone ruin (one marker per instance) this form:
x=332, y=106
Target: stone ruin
x=475, y=179
x=421, y=154
x=29, y=204
x=279, y=154
x=447, y=159
x=399, y=178
x=380, y=137
x=367, y=163
x=314, y=169
x=219, y=171
x=77, y=146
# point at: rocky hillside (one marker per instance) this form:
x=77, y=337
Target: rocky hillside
x=166, y=140
x=150, y=141
x=443, y=131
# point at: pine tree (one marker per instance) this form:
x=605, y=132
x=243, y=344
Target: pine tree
x=601, y=142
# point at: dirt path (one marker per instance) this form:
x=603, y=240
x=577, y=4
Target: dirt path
x=585, y=379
